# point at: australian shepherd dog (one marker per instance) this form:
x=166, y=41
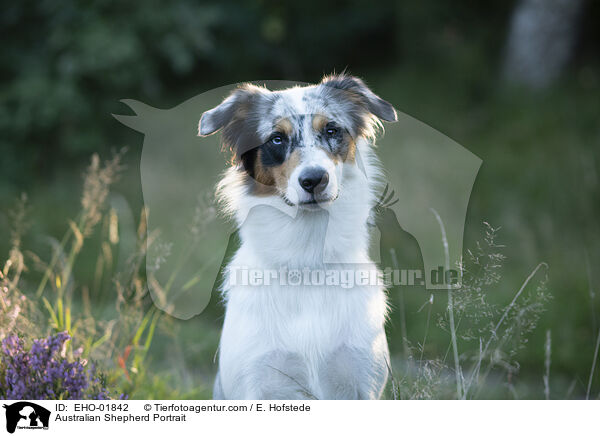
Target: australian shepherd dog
x=301, y=188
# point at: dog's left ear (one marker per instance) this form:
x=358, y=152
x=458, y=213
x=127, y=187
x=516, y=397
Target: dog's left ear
x=220, y=116
x=358, y=90
x=215, y=118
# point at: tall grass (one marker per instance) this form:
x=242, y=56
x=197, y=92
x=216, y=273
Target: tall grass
x=490, y=336
x=115, y=327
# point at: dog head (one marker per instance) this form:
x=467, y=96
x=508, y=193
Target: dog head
x=294, y=143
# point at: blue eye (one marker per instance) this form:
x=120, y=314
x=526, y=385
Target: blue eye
x=277, y=140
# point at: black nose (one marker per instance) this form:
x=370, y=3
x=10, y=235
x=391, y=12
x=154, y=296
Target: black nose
x=313, y=179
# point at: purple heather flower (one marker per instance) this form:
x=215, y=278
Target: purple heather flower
x=43, y=373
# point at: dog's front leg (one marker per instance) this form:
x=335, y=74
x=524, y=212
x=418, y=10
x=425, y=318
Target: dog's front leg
x=280, y=375
x=275, y=375
x=353, y=374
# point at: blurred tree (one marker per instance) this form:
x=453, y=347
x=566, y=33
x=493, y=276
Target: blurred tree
x=65, y=65
x=541, y=40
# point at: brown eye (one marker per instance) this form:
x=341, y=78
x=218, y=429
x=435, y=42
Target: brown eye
x=331, y=131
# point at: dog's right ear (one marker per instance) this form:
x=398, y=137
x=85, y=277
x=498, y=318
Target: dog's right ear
x=218, y=117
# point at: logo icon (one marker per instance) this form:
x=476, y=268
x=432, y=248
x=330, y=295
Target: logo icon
x=26, y=415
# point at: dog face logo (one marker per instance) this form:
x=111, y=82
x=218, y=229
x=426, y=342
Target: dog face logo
x=26, y=415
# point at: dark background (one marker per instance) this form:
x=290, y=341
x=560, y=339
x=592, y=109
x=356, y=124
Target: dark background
x=65, y=66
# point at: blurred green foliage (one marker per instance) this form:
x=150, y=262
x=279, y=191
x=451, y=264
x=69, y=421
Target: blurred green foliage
x=65, y=65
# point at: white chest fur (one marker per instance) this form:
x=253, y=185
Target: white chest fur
x=306, y=339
